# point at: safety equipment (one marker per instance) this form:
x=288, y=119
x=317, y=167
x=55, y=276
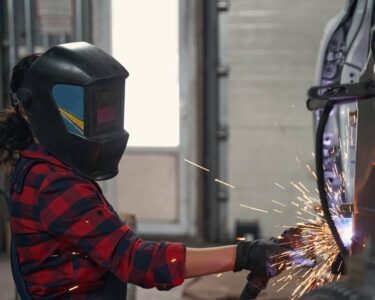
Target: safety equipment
x=262, y=258
x=73, y=96
x=258, y=257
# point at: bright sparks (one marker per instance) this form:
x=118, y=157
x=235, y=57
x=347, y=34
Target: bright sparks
x=225, y=183
x=196, y=165
x=253, y=208
x=280, y=186
x=274, y=201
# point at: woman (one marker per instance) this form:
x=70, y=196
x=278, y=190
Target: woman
x=65, y=131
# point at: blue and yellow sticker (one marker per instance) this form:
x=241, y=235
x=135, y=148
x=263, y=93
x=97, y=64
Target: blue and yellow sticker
x=70, y=102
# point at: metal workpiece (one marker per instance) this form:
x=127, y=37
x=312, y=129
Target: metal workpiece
x=359, y=286
x=364, y=204
x=343, y=55
x=351, y=104
x=346, y=114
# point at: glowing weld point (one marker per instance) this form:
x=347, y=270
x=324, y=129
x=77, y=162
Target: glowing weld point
x=225, y=183
x=253, y=208
x=196, y=165
x=240, y=238
x=345, y=228
x=173, y=260
x=73, y=288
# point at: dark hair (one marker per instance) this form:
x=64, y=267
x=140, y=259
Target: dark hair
x=15, y=133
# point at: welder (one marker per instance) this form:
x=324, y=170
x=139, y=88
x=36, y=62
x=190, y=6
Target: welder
x=64, y=132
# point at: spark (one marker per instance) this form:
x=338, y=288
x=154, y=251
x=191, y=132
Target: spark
x=225, y=183
x=218, y=275
x=278, y=211
x=173, y=260
x=196, y=165
x=297, y=187
x=295, y=204
x=280, y=186
x=305, y=188
x=309, y=168
x=282, y=287
x=73, y=288
x=253, y=208
x=279, y=203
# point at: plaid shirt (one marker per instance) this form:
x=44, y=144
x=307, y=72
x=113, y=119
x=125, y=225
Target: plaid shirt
x=69, y=238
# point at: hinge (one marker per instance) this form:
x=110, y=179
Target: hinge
x=223, y=5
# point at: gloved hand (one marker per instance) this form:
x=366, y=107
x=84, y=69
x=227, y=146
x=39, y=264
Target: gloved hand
x=261, y=257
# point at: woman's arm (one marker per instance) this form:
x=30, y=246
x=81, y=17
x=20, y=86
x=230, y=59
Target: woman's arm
x=262, y=257
x=209, y=260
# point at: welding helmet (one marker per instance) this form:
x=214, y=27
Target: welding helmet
x=73, y=96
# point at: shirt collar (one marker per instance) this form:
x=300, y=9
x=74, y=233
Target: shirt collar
x=37, y=151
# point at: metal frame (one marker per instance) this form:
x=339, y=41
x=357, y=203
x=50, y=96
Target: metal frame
x=215, y=115
x=3, y=56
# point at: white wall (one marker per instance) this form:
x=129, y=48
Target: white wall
x=273, y=46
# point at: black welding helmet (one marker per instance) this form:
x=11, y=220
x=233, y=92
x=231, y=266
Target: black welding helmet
x=73, y=96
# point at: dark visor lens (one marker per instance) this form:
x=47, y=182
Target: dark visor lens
x=106, y=115
x=109, y=112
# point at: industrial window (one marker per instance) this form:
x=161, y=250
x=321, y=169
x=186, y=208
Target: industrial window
x=145, y=40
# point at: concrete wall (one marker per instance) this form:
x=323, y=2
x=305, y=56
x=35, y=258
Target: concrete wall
x=272, y=47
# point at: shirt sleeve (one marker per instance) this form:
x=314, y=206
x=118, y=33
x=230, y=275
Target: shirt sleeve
x=72, y=209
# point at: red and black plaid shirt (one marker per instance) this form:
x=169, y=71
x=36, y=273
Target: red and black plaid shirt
x=68, y=237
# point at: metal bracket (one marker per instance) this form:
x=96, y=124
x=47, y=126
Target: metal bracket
x=223, y=5
x=222, y=71
x=223, y=133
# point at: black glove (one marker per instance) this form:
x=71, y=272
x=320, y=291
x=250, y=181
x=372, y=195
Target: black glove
x=259, y=257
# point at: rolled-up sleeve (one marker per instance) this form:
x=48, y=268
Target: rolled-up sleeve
x=72, y=210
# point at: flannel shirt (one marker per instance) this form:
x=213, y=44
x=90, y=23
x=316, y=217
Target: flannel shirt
x=69, y=238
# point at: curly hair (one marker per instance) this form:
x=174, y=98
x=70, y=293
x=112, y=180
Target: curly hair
x=15, y=133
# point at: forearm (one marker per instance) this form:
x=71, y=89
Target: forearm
x=207, y=261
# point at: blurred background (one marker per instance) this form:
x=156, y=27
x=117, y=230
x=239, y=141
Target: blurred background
x=215, y=83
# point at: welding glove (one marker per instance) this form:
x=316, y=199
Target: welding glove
x=261, y=257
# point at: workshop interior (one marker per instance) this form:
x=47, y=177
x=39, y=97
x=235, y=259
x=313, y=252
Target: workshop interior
x=246, y=118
